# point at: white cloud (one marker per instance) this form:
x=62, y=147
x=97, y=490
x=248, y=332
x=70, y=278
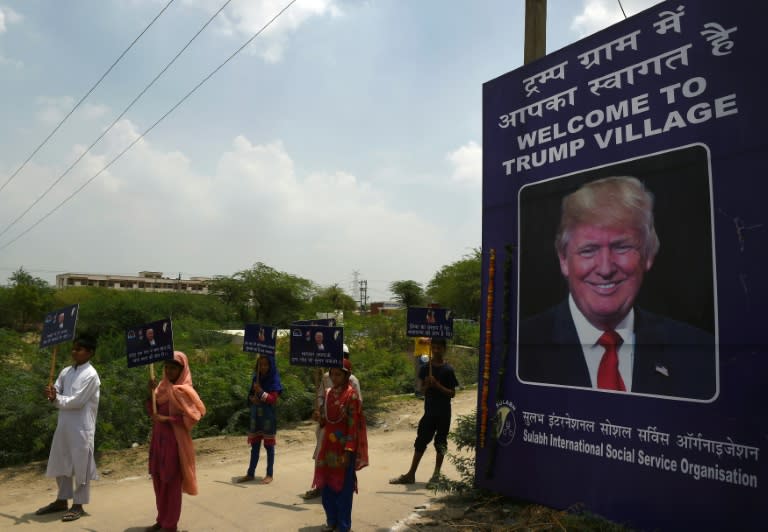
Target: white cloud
x=244, y=19
x=467, y=162
x=93, y=111
x=152, y=210
x=599, y=14
x=8, y=16
x=12, y=62
x=53, y=109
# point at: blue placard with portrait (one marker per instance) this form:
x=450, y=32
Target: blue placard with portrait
x=149, y=343
x=623, y=293
x=59, y=326
x=317, y=346
x=260, y=339
x=429, y=322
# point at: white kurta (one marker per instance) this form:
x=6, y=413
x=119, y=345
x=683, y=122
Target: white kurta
x=77, y=398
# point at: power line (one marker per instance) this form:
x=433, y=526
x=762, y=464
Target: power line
x=172, y=109
x=115, y=121
x=622, y=8
x=104, y=75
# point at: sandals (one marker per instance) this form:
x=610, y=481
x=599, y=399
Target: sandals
x=246, y=478
x=55, y=506
x=402, y=479
x=73, y=514
x=311, y=494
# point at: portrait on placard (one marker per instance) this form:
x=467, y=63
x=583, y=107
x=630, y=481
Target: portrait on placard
x=260, y=339
x=616, y=279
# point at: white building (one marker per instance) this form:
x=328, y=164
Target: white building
x=145, y=281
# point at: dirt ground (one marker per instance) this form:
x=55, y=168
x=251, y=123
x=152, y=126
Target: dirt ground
x=401, y=414
x=221, y=459
x=378, y=507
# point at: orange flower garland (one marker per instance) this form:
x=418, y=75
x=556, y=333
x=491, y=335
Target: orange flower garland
x=488, y=336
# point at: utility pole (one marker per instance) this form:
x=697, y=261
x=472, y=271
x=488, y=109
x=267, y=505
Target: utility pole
x=356, y=285
x=535, y=30
x=363, y=294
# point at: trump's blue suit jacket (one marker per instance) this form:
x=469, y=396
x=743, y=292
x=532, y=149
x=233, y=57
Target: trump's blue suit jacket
x=671, y=358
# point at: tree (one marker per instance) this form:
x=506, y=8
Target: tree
x=330, y=299
x=25, y=300
x=457, y=286
x=21, y=277
x=233, y=293
x=407, y=293
x=264, y=295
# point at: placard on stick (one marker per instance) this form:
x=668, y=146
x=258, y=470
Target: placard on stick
x=430, y=322
x=260, y=339
x=316, y=346
x=148, y=343
x=59, y=326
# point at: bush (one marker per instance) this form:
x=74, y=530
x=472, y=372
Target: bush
x=221, y=371
x=465, y=438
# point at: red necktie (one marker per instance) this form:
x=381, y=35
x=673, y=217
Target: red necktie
x=608, y=376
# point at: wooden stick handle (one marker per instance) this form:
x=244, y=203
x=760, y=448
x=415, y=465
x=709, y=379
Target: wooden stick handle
x=430, y=357
x=53, y=365
x=154, y=397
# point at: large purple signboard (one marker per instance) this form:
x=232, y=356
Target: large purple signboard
x=625, y=240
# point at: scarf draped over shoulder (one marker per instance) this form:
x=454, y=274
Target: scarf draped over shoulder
x=186, y=404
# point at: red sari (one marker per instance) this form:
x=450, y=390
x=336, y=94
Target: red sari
x=344, y=431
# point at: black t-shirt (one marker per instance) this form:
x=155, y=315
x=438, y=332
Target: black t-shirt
x=436, y=402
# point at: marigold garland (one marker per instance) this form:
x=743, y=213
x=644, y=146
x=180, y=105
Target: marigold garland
x=488, y=346
x=506, y=309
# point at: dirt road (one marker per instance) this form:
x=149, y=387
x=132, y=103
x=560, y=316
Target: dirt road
x=123, y=500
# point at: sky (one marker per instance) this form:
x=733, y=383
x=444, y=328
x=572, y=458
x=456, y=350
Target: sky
x=342, y=144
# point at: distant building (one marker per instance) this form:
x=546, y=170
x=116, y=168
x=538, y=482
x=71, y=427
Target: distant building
x=384, y=307
x=145, y=281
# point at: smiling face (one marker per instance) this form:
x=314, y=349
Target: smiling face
x=604, y=267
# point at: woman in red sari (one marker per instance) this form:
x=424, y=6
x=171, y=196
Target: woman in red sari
x=343, y=450
x=171, y=451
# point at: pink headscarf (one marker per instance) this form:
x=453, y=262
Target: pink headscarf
x=184, y=402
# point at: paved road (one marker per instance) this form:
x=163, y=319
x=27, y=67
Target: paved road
x=127, y=505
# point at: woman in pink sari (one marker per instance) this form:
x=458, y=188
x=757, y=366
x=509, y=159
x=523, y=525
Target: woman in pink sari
x=171, y=452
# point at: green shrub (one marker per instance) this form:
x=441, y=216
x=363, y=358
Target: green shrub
x=221, y=371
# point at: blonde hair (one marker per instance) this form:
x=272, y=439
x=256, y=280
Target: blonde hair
x=611, y=201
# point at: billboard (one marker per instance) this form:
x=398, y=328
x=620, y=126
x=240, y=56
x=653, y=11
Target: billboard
x=623, y=238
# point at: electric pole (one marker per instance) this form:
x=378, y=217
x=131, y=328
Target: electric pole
x=356, y=285
x=535, y=30
x=363, y=294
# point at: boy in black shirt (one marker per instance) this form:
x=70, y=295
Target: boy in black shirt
x=439, y=386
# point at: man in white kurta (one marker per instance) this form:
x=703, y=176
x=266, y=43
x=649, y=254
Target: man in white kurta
x=71, y=461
